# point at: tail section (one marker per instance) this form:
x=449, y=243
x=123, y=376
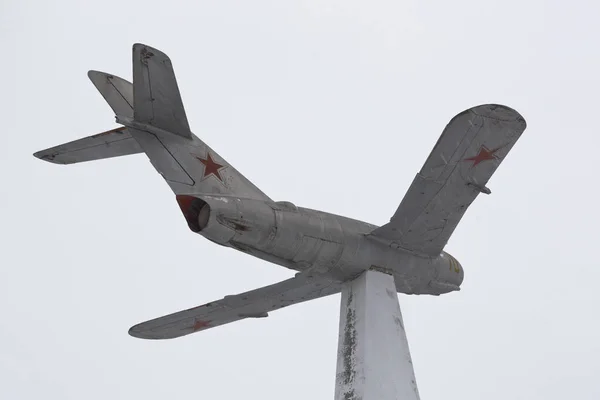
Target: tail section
x=155, y=123
x=191, y=167
x=115, y=143
x=157, y=101
x=160, y=127
x=118, y=93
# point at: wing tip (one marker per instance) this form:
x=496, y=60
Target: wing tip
x=138, y=332
x=44, y=155
x=499, y=112
x=144, y=330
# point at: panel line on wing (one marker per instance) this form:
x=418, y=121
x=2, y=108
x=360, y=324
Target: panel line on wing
x=440, y=194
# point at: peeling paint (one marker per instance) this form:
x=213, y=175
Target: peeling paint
x=398, y=322
x=237, y=225
x=200, y=325
x=350, y=395
x=145, y=55
x=349, y=349
x=374, y=360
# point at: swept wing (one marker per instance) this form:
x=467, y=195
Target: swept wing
x=466, y=155
x=254, y=304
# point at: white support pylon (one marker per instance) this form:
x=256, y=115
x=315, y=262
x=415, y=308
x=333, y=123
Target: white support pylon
x=373, y=361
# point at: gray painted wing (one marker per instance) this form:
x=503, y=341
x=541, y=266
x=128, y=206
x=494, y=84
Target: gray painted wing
x=254, y=304
x=114, y=143
x=466, y=155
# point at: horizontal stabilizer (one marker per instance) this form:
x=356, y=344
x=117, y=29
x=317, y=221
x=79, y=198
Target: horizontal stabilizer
x=117, y=92
x=114, y=143
x=254, y=304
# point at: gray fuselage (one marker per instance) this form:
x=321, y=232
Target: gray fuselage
x=303, y=239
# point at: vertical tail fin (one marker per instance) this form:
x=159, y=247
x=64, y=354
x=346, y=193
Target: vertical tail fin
x=156, y=96
x=161, y=128
x=156, y=124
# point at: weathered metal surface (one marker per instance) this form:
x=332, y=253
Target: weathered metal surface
x=465, y=157
x=373, y=361
x=114, y=143
x=155, y=92
x=117, y=92
x=222, y=205
x=254, y=304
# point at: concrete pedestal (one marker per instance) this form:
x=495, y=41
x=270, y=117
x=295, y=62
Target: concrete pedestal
x=373, y=361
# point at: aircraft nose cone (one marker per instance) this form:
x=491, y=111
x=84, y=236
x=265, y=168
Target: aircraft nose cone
x=461, y=275
x=453, y=272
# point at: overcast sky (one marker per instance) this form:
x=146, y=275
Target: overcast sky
x=333, y=105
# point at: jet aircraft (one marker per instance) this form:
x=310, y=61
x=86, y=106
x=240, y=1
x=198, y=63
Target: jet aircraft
x=325, y=249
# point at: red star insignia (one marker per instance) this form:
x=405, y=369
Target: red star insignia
x=483, y=155
x=199, y=325
x=211, y=167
